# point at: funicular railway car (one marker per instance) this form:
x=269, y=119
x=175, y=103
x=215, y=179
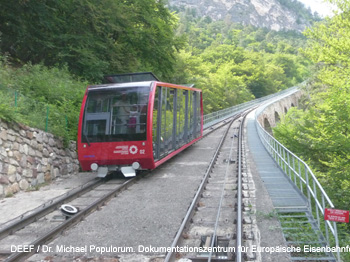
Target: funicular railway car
x=135, y=122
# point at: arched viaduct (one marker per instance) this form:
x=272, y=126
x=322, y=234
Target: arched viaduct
x=274, y=112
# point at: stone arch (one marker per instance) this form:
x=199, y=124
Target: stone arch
x=267, y=126
x=292, y=105
x=277, y=117
x=285, y=110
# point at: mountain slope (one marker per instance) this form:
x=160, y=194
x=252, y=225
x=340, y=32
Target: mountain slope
x=272, y=14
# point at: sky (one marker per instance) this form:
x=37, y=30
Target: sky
x=319, y=6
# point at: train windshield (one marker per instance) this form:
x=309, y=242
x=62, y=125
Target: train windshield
x=116, y=114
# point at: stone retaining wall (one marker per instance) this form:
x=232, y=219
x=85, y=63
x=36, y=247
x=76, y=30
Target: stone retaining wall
x=30, y=157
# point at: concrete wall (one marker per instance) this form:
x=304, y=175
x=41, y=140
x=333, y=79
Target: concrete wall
x=274, y=112
x=29, y=157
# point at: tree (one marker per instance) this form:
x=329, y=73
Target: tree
x=92, y=37
x=233, y=63
x=320, y=134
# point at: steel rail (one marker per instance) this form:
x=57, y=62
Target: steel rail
x=48, y=207
x=220, y=202
x=191, y=209
x=52, y=205
x=223, y=122
x=238, y=249
x=239, y=195
x=70, y=222
x=25, y=219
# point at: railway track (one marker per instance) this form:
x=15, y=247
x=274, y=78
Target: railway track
x=31, y=231
x=28, y=233
x=212, y=228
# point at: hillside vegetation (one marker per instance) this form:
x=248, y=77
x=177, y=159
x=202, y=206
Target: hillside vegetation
x=233, y=64
x=279, y=15
x=41, y=97
x=91, y=37
x=319, y=131
x=50, y=51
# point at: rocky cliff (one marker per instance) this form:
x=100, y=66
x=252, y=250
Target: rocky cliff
x=270, y=14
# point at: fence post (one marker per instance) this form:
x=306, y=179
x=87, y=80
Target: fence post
x=307, y=187
x=47, y=118
x=325, y=221
x=300, y=178
x=294, y=172
x=336, y=240
x=16, y=94
x=289, y=166
x=316, y=203
x=66, y=123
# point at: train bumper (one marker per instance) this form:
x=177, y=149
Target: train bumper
x=127, y=171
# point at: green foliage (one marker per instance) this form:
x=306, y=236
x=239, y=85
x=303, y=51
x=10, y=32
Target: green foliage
x=92, y=38
x=32, y=93
x=233, y=64
x=320, y=135
x=7, y=109
x=320, y=132
x=7, y=112
x=230, y=62
x=300, y=9
x=48, y=85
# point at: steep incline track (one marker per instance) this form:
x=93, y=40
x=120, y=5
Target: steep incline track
x=144, y=207
x=212, y=227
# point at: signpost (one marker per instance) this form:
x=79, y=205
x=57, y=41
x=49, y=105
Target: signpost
x=336, y=215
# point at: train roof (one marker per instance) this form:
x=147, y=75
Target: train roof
x=130, y=77
x=139, y=84
x=133, y=80
x=121, y=85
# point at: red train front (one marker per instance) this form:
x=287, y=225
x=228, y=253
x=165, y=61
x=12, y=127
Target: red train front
x=136, y=125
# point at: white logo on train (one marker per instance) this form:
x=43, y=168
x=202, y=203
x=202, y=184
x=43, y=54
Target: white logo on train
x=133, y=150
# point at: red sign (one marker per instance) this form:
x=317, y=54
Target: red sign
x=336, y=215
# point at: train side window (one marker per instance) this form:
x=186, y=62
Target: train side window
x=164, y=122
x=176, y=119
x=181, y=118
x=170, y=120
x=190, y=116
x=156, y=122
x=196, y=113
x=164, y=126
x=199, y=115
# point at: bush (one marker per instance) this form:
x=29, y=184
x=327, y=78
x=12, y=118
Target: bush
x=41, y=97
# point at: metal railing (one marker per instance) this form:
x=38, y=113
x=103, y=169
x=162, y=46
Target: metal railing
x=302, y=176
x=215, y=117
